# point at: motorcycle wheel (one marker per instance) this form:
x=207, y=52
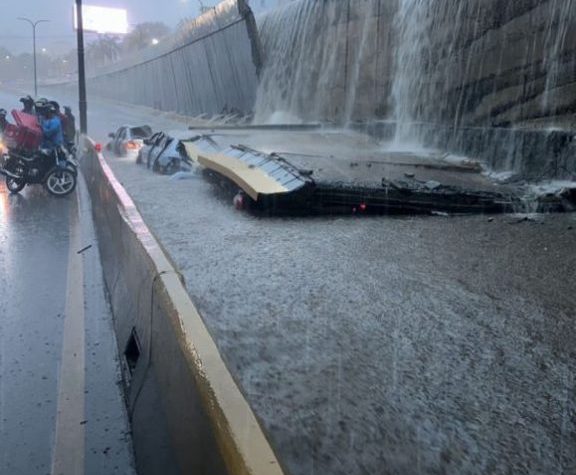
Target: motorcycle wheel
x=60, y=181
x=15, y=185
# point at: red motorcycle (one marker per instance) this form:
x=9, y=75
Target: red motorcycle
x=26, y=164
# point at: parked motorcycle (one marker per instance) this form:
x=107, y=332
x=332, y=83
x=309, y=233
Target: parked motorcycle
x=25, y=163
x=58, y=175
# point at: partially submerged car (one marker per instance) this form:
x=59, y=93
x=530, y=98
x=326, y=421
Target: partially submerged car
x=128, y=140
x=164, y=154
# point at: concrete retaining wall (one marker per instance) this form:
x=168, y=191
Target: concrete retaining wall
x=187, y=413
x=456, y=62
x=461, y=63
x=210, y=67
x=488, y=62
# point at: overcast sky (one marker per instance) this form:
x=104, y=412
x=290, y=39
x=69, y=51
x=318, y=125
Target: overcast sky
x=58, y=36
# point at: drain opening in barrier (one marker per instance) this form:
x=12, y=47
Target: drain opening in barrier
x=132, y=351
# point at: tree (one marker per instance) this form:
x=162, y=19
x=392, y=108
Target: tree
x=143, y=35
x=105, y=50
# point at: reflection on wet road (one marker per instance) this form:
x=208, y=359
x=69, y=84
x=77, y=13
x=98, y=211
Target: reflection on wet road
x=34, y=256
x=35, y=247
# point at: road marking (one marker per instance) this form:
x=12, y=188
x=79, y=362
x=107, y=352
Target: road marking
x=69, y=446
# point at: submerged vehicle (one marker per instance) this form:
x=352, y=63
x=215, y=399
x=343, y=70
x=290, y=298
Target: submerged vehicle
x=127, y=141
x=164, y=154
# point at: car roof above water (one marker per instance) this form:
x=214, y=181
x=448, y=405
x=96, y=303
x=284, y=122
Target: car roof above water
x=141, y=131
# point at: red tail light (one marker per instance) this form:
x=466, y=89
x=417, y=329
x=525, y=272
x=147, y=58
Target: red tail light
x=98, y=147
x=239, y=201
x=131, y=145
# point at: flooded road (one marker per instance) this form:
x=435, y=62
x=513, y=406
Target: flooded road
x=34, y=253
x=384, y=345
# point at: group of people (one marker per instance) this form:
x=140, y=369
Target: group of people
x=58, y=128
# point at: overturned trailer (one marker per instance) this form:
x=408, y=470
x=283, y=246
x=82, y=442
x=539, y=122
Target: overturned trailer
x=271, y=184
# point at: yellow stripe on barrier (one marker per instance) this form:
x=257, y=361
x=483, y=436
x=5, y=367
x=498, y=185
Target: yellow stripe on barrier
x=252, y=180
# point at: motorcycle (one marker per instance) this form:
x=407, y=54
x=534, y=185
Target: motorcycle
x=58, y=172
x=26, y=163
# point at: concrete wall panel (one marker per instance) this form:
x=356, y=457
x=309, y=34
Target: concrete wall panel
x=210, y=67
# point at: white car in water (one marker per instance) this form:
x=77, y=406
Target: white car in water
x=128, y=140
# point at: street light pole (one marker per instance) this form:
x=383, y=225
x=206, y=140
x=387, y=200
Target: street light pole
x=34, y=24
x=83, y=104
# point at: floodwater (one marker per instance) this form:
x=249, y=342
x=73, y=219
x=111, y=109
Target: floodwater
x=381, y=345
x=385, y=345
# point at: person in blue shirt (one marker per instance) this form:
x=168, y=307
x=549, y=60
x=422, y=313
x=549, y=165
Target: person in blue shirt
x=52, y=134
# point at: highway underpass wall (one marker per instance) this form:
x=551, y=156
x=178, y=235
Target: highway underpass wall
x=459, y=63
x=209, y=67
x=488, y=79
x=478, y=77
x=187, y=413
x=454, y=62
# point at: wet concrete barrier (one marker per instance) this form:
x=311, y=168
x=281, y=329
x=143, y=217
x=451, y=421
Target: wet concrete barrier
x=187, y=413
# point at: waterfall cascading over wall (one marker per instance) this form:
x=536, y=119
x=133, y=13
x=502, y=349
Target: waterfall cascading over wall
x=453, y=62
x=465, y=76
x=325, y=61
x=479, y=63
x=210, y=67
x=471, y=78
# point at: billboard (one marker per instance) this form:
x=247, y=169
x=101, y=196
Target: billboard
x=103, y=20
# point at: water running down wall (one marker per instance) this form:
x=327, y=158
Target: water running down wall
x=326, y=61
x=482, y=63
x=454, y=62
x=450, y=74
x=457, y=75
